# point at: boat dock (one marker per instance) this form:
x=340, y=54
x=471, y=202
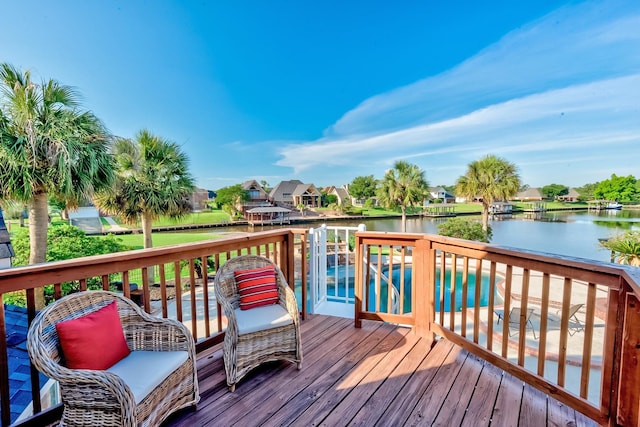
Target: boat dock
x=438, y=211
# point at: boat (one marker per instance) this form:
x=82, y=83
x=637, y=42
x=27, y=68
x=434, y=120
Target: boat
x=613, y=205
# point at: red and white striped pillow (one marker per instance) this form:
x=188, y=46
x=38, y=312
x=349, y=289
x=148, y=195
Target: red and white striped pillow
x=257, y=287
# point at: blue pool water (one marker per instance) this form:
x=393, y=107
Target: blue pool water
x=395, y=279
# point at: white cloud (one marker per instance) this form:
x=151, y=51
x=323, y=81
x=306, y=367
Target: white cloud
x=566, y=83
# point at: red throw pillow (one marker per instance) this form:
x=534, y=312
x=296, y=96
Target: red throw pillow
x=95, y=341
x=257, y=287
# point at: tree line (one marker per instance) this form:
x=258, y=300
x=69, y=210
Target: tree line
x=490, y=179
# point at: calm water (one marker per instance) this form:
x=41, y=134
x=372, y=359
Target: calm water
x=565, y=233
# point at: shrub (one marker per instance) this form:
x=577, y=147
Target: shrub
x=467, y=229
x=369, y=204
x=330, y=199
x=65, y=242
x=353, y=210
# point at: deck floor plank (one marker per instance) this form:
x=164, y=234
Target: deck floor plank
x=399, y=410
x=534, y=407
x=506, y=410
x=560, y=415
x=313, y=332
x=371, y=383
x=379, y=374
x=281, y=381
x=345, y=357
x=484, y=397
x=375, y=407
x=343, y=384
x=293, y=382
x=455, y=405
x=430, y=403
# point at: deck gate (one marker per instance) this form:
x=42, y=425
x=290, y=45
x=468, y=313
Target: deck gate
x=331, y=272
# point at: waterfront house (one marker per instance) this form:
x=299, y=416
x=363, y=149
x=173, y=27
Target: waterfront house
x=292, y=193
x=341, y=193
x=571, y=197
x=441, y=194
x=257, y=195
x=529, y=195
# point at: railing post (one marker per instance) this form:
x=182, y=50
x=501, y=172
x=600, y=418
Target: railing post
x=303, y=273
x=289, y=258
x=629, y=394
x=423, y=262
x=611, y=353
x=358, y=281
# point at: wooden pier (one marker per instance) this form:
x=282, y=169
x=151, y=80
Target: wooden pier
x=437, y=211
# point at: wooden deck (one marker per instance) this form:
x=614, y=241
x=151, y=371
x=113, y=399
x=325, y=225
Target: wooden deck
x=377, y=375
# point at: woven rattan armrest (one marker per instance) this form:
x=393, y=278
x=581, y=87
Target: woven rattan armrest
x=156, y=334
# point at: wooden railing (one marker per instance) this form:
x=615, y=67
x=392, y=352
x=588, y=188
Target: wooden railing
x=158, y=269
x=402, y=278
x=568, y=327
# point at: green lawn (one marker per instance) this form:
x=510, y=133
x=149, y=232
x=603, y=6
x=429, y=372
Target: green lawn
x=465, y=207
x=167, y=239
x=135, y=241
x=208, y=217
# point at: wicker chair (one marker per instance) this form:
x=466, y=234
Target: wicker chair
x=101, y=398
x=245, y=351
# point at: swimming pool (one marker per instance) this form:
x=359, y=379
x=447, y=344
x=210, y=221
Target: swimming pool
x=336, y=288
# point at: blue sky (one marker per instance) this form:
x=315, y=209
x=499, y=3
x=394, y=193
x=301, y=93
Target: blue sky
x=327, y=91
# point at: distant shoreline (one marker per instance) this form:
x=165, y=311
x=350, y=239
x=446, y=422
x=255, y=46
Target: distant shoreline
x=312, y=219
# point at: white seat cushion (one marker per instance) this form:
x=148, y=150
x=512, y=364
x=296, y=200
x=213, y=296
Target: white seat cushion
x=143, y=371
x=261, y=318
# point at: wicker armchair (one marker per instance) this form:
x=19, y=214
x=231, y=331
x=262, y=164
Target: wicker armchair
x=245, y=351
x=101, y=398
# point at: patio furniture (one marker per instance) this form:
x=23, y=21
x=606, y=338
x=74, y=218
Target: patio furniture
x=156, y=377
x=261, y=334
x=514, y=320
x=575, y=325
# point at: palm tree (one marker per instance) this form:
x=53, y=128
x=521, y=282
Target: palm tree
x=152, y=180
x=491, y=179
x=48, y=147
x=403, y=185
